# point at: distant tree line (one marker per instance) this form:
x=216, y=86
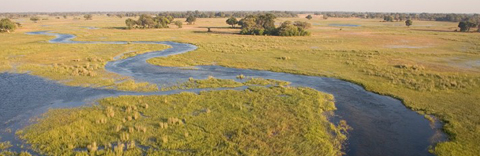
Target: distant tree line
x=401, y=16
x=175, y=14
x=223, y=14
x=265, y=25
x=241, y=14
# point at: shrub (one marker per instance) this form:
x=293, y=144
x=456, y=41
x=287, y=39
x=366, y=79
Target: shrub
x=88, y=17
x=179, y=24
x=6, y=25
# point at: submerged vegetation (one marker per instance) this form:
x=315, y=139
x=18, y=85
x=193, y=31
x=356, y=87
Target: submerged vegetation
x=257, y=121
x=5, y=150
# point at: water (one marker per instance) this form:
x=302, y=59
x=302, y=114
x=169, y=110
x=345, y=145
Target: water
x=91, y=28
x=381, y=125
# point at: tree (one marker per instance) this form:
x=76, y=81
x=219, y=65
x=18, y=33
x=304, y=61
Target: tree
x=179, y=24
x=408, y=23
x=34, y=19
x=88, y=17
x=466, y=25
x=146, y=21
x=289, y=29
x=170, y=18
x=191, y=20
x=267, y=21
x=463, y=26
x=65, y=16
x=388, y=18
x=6, y=25
x=471, y=25
x=265, y=25
x=232, y=21
x=303, y=25
x=161, y=22
x=130, y=23
x=309, y=17
x=249, y=25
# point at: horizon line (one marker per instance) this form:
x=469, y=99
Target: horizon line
x=231, y=11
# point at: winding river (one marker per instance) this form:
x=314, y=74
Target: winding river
x=381, y=125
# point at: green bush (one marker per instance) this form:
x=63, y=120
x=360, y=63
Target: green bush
x=6, y=25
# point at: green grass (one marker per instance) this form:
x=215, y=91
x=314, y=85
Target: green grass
x=257, y=121
x=424, y=78
x=212, y=82
x=76, y=65
x=426, y=66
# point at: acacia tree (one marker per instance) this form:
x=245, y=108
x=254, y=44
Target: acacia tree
x=408, y=23
x=463, y=26
x=146, y=21
x=466, y=25
x=309, y=17
x=179, y=24
x=388, y=18
x=232, y=21
x=170, y=18
x=6, y=25
x=471, y=25
x=191, y=20
x=34, y=19
x=161, y=22
x=130, y=23
x=325, y=16
x=265, y=25
x=303, y=25
x=267, y=21
x=289, y=29
x=88, y=17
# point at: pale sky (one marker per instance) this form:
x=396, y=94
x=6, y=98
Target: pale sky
x=432, y=6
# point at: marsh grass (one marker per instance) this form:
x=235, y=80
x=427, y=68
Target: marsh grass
x=212, y=82
x=444, y=86
x=5, y=150
x=77, y=65
x=420, y=77
x=256, y=121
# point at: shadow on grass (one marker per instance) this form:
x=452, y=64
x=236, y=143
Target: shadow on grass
x=433, y=30
x=221, y=27
x=120, y=28
x=216, y=32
